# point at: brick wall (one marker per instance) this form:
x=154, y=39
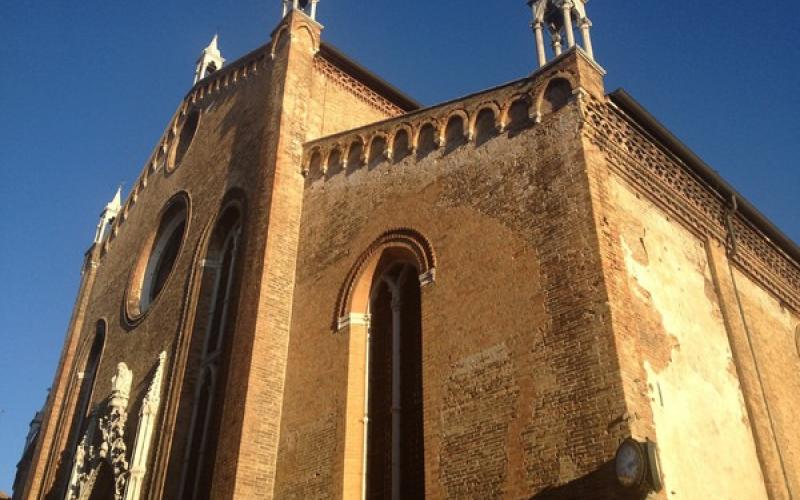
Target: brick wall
x=521, y=390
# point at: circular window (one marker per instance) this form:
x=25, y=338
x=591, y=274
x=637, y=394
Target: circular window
x=157, y=258
x=185, y=138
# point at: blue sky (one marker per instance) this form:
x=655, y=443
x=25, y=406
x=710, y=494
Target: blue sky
x=86, y=88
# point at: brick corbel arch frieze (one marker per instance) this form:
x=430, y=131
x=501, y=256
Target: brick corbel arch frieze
x=354, y=293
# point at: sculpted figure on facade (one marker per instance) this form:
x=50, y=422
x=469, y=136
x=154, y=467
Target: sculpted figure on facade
x=111, y=449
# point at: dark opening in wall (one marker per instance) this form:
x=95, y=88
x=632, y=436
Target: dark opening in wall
x=454, y=134
x=84, y=397
x=315, y=165
x=355, y=156
x=556, y=96
x=395, y=430
x=166, y=260
x=186, y=137
x=426, y=142
x=485, y=127
x=519, y=115
x=377, y=152
x=334, y=162
x=401, y=147
x=157, y=259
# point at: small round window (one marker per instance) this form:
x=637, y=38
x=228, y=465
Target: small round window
x=158, y=258
x=185, y=137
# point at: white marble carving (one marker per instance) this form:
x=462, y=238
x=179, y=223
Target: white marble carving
x=144, y=433
x=111, y=449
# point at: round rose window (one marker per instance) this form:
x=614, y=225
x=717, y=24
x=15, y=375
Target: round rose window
x=157, y=260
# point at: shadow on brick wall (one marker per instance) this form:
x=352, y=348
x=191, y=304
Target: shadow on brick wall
x=599, y=484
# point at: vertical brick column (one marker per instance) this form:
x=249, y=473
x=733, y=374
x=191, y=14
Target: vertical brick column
x=255, y=386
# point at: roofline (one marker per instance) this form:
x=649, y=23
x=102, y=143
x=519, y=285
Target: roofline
x=370, y=79
x=229, y=67
x=343, y=62
x=630, y=106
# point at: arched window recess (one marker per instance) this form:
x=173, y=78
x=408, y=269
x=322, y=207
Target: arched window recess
x=381, y=312
x=201, y=409
x=353, y=298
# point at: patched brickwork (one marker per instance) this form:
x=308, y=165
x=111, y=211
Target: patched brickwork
x=508, y=218
x=580, y=284
x=480, y=400
x=312, y=448
x=671, y=246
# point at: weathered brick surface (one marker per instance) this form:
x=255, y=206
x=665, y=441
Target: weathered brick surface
x=521, y=392
x=575, y=292
x=699, y=359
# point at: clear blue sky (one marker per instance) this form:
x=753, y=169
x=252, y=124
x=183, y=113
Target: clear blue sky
x=86, y=89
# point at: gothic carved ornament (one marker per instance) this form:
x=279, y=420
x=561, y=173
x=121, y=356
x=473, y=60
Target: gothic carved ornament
x=103, y=443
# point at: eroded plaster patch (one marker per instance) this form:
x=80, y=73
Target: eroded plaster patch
x=700, y=419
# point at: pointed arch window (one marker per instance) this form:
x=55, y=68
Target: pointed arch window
x=380, y=310
x=211, y=343
x=86, y=378
x=395, y=442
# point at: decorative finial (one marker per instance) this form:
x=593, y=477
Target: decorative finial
x=560, y=16
x=210, y=60
x=116, y=203
x=308, y=7
x=108, y=215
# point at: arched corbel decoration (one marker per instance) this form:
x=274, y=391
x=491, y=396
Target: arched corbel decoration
x=334, y=163
x=489, y=106
x=516, y=112
x=555, y=94
x=401, y=142
x=356, y=153
x=354, y=295
x=378, y=149
x=313, y=168
x=427, y=138
x=451, y=136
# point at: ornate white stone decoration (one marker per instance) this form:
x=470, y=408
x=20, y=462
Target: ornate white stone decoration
x=111, y=449
x=144, y=433
x=107, y=217
x=210, y=60
x=108, y=424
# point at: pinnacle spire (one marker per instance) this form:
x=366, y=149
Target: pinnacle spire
x=108, y=215
x=213, y=46
x=116, y=203
x=210, y=60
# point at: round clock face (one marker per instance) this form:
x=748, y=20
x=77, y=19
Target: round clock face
x=629, y=463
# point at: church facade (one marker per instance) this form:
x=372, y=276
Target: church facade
x=318, y=289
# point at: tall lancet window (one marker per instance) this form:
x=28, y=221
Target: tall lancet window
x=395, y=445
x=209, y=358
x=85, y=385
